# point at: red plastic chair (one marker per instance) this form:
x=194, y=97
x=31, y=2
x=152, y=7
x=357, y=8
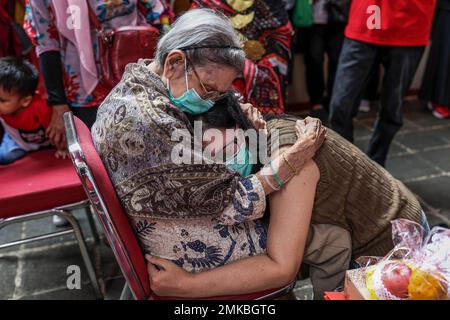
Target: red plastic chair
x=39, y=186
x=114, y=220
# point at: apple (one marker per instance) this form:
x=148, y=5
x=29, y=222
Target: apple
x=395, y=276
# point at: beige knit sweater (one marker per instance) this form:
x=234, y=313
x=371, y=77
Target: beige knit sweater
x=355, y=193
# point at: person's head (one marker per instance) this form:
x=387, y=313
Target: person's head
x=201, y=51
x=221, y=143
x=225, y=114
x=215, y=123
x=18, y=82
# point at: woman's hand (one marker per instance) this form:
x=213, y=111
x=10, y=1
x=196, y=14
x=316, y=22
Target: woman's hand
x=55, y=131
x=288, y=162
x=311, y=135
x=310, y=132
x=254, y=116
x=169, y=280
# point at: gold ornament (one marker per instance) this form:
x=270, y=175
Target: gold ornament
x=239, y=21
x=254, y=50
x=240, y=5
x=113, y=3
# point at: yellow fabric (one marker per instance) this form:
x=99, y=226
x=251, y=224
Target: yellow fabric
x=240, y=5
x=240, y=21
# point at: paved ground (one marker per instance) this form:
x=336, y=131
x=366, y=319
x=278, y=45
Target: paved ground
x=420, y=157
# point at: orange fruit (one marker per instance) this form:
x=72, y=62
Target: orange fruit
x=426, y=286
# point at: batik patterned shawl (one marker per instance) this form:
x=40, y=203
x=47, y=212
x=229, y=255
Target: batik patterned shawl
x=133, y=137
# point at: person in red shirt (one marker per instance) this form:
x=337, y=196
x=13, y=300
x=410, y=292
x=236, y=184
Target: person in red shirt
x=395, y=33
x=24, y=114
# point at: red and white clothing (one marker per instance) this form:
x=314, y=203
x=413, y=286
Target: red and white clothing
x=401, y=22
x=27, y=127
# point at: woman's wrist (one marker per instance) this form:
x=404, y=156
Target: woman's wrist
x=275, y=175
x=188, y=285
x=283, y=171
x=288, y=163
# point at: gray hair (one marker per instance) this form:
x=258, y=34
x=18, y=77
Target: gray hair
x=203, y=28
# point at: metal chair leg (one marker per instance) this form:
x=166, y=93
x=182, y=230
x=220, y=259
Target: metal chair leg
x=84, y=251
x=126, y=293
x=92, y=225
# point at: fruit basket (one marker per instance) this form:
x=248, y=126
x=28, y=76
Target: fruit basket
x=418, y=268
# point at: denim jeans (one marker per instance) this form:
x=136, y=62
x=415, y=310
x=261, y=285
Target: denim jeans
x=10, y=150
x=356, y=64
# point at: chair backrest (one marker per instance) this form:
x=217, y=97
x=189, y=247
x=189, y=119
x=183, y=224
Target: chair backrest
x=107, y=206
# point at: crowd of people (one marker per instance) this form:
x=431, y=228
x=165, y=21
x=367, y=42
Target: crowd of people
x=267, y=36
x=205, y=216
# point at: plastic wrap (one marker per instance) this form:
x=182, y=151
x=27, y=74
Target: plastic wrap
x=418, y=268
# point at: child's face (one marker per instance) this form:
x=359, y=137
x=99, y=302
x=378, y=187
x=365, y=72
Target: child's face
x=11, y=102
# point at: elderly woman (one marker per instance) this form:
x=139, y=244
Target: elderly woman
x=198, y=214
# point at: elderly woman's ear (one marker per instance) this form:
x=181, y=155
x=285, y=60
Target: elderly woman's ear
x=174, y=64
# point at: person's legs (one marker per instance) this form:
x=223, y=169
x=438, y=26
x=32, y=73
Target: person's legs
x=400, y=66
x=355, y=62
x=370, y=93
x=87, y=115
x=436, y=81
x=328, y=253
x=333, y=44
x=314, y=56
x=10, y=151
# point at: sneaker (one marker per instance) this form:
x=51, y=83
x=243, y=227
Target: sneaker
x=60, y=221
x=441, y=112
x=364, y=105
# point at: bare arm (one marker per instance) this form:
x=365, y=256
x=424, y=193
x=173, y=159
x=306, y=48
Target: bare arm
x=291, y=211
x=48, y=48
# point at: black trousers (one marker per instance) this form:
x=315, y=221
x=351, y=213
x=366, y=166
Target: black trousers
x=354, y=70
x=87, y=115
x=318, y=40
x=436, y=81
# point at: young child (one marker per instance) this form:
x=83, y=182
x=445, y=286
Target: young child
x=24, y=114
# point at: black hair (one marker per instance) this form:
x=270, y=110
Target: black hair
x=18, y=75
x=225, y=113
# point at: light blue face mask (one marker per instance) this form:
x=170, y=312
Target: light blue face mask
x=190, y=101
x=241, y=162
